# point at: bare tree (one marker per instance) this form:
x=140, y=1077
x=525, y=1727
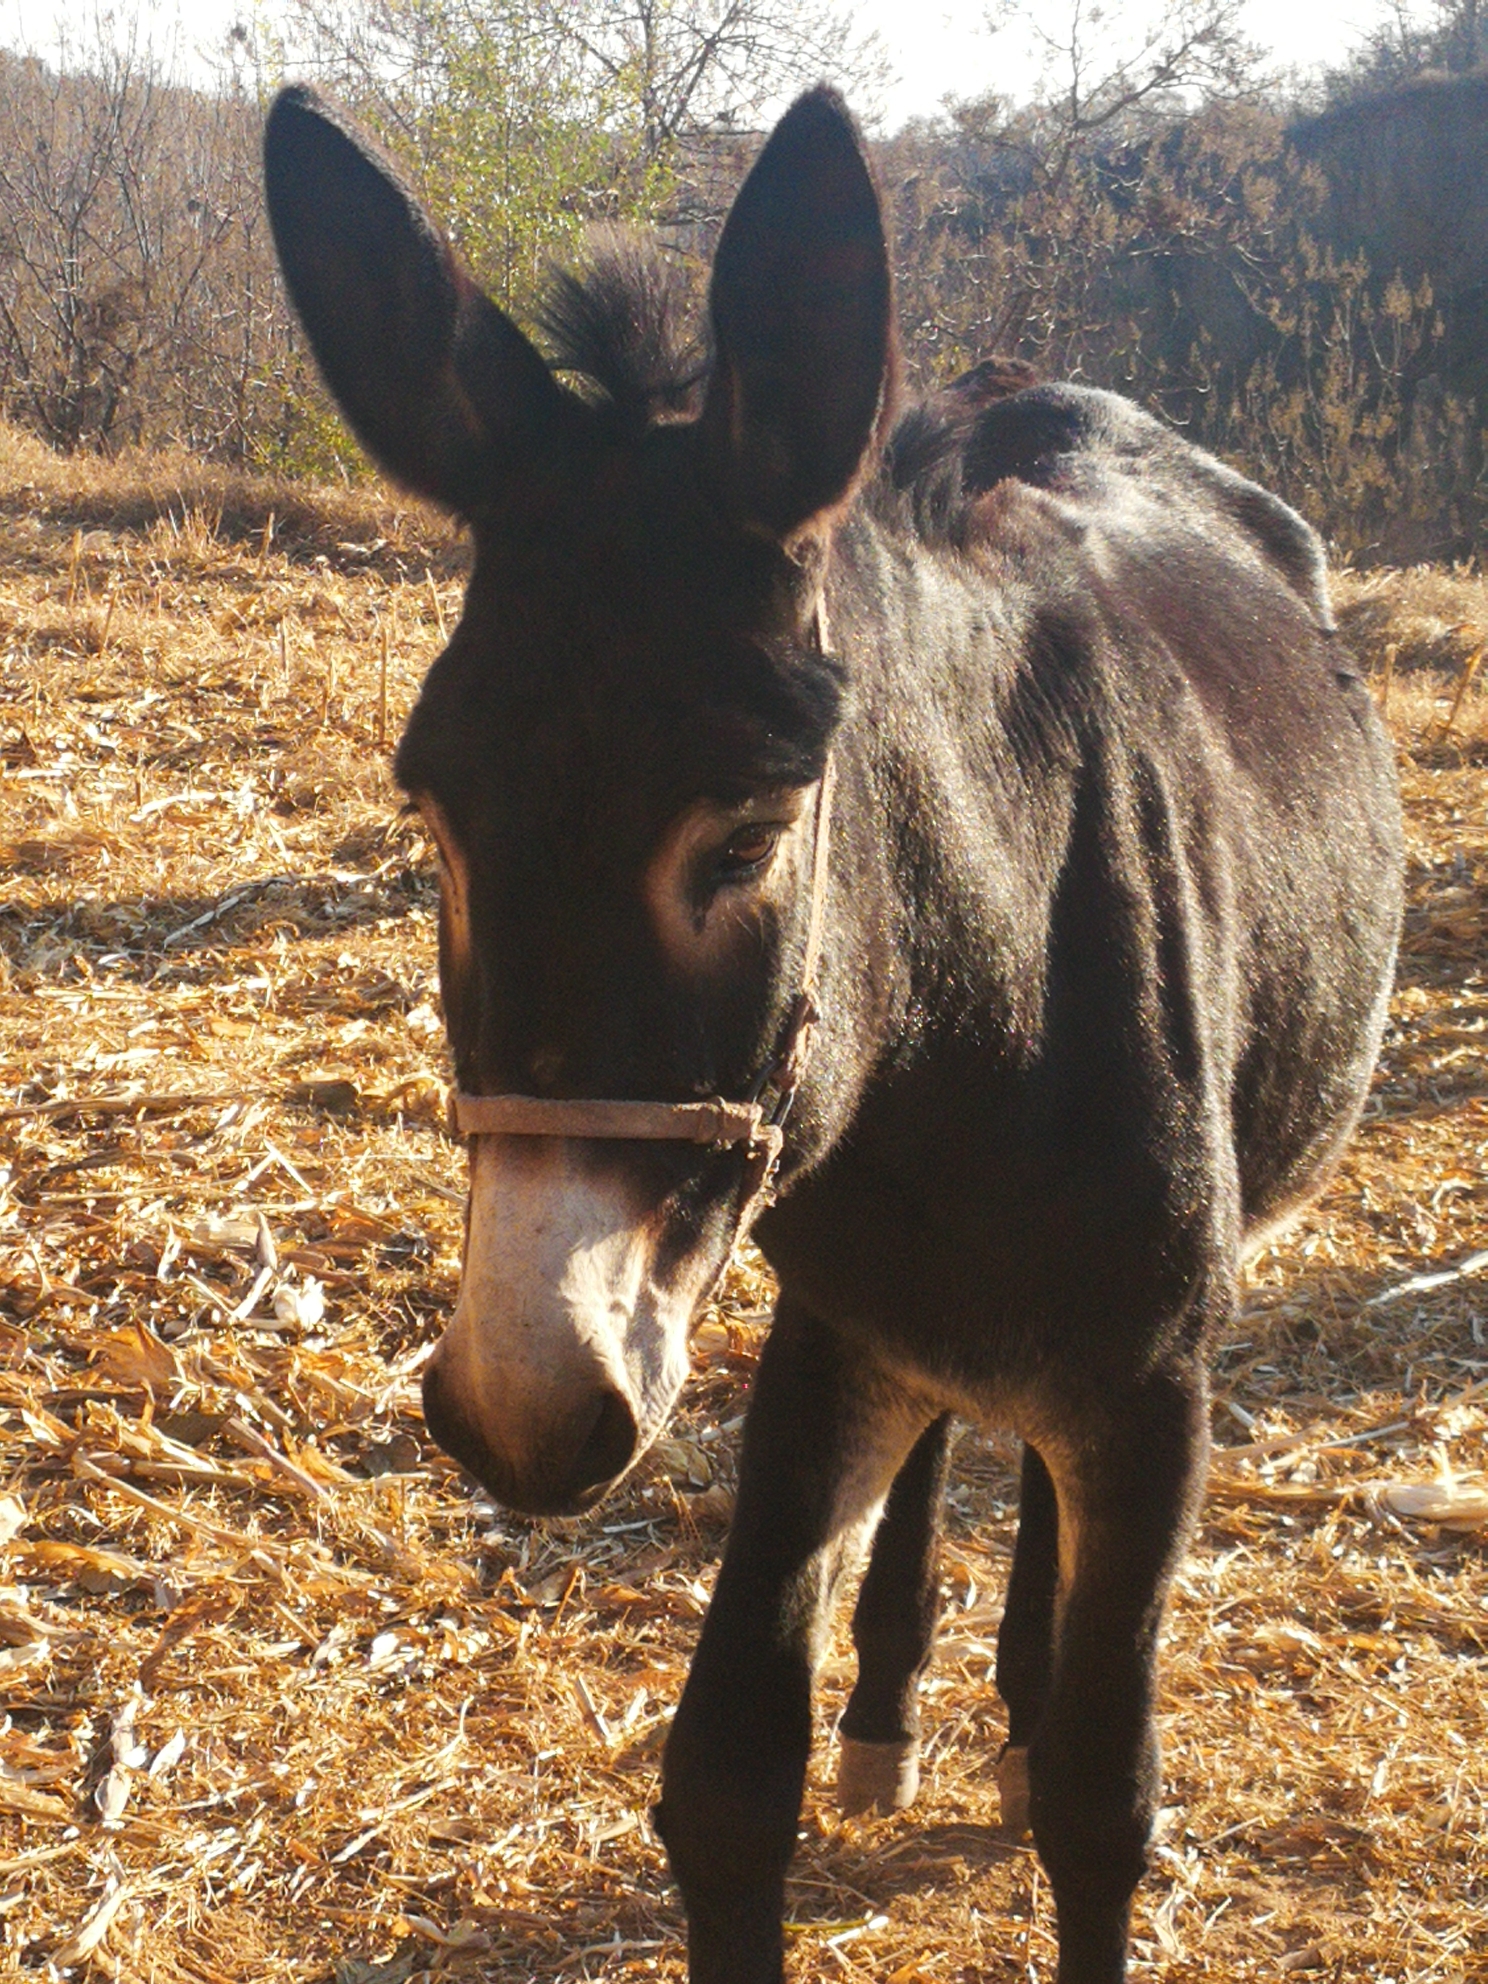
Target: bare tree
x=79, y=250
x=690, y=65
x=1106, y=74
x=138, y=298
x=1407, y=39
x=1029, y=226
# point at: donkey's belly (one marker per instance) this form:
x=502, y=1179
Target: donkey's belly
x=1299, y=1088
x=976, y=1283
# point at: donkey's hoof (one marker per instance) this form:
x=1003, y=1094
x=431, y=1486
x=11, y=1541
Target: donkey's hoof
x=1012, y=1786
x=880, y=1777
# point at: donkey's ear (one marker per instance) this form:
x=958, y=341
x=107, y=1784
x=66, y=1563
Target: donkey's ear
x=802, y=303
x=436, y=383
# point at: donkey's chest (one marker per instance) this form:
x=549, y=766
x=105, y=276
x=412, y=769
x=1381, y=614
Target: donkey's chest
x=973, y=1249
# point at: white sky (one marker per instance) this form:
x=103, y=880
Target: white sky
x=944, y=46
x=937, y=46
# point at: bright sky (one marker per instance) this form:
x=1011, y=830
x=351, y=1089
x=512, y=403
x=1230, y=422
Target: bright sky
x=936, y=46
x=945, y=46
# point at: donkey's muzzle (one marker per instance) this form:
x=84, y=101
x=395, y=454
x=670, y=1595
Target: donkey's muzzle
x=560, y=1466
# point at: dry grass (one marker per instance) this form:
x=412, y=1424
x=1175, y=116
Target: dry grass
x=1434, y=616
x=282, y=1702
x=147, y=501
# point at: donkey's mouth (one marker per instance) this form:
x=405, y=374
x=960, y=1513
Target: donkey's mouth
x=564, y=1472
x=568, y=1347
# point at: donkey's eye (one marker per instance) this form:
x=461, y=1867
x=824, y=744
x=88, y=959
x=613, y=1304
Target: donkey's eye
x=746, y=851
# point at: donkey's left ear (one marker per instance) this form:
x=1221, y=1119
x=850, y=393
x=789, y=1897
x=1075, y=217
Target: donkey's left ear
x=437, y=383
x=802, y=304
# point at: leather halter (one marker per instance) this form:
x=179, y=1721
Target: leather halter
x=758, y=1123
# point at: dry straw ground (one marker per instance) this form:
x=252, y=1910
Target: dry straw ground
x=280, y=1700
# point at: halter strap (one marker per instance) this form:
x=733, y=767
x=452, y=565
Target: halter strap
x=715, y=1122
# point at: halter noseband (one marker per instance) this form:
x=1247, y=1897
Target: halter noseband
x=758, y=1123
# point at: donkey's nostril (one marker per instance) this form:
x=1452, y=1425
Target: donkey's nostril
x=608, y=1449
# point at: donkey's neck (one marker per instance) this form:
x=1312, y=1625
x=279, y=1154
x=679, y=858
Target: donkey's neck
x=959, y=760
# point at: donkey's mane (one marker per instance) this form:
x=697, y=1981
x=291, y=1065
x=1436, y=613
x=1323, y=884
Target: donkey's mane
x=624, y=324
x=925, y=482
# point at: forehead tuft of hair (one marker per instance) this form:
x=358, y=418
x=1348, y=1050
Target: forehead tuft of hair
x=624, y=323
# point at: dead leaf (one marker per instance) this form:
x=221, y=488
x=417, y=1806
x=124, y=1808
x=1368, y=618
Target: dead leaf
x=1455, y=1504
x=112, y=1795
x=31, y=1804
x=136, y=1356
x=81, y=1557
x=205, y=1609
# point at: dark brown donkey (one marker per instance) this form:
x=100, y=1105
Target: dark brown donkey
x=1014, y=737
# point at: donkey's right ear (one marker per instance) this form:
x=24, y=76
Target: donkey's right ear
x=802, y=303
x=433, y=379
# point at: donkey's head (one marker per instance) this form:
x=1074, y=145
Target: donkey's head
x=619, y=754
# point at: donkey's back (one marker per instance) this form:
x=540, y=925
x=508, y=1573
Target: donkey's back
x=1278, y=785
x=1151, y=794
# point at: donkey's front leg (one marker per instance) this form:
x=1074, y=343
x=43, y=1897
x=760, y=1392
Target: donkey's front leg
x=825, y=1435
x=1128, y=1471
x=894, y=1624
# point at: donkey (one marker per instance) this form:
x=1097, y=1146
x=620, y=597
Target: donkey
x=955, y=845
